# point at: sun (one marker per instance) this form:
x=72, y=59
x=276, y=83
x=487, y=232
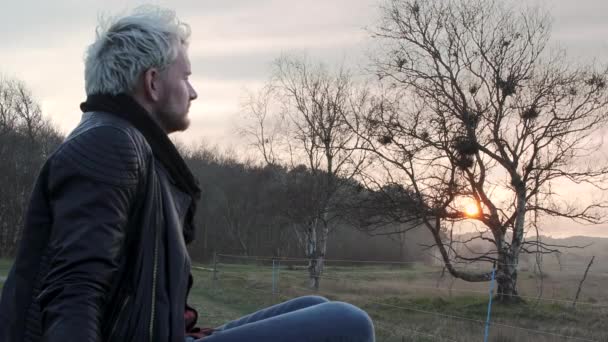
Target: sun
x=467, y=206
x=471, y=210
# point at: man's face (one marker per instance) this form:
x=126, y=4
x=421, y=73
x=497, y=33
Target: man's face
x=176, y=94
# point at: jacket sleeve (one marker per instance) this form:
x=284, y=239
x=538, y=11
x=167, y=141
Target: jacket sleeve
x=93, y=182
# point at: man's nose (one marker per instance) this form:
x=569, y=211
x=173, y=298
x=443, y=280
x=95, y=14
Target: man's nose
x=193, y=94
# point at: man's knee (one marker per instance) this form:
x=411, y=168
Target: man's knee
x=356, y=321
x=306, y=301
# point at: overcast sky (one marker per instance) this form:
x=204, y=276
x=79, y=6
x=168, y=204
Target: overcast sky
x=232, y=45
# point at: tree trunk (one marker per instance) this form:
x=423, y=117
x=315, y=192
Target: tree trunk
x=508, y=258
x=315, y=251
x=320, y=259
x=402, y=240
x=506, y=279
x=311, y=253
x=315, y=269
x=244, y=246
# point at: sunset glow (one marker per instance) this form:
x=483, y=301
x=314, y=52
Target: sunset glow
x=467, y=205
x=471, y=210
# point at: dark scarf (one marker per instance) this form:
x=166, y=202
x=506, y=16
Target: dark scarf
x=125, y=107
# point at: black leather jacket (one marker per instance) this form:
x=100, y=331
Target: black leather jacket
x=102, y=255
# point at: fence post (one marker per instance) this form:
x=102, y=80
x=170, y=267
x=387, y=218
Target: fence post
x=487, y=328
x=278, y=274
x=273, y=277
x=214, y=269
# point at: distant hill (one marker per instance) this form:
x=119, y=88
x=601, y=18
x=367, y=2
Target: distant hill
x=575, y=252
x=576, y=257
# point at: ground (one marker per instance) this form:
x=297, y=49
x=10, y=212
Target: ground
x=411, y=302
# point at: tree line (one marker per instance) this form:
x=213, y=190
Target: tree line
x=252, y=209
x=246, y=208
x=26, y=140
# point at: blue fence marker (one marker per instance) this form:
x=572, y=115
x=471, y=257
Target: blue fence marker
x=487, y=329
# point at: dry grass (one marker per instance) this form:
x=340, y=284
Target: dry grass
x=416, y=304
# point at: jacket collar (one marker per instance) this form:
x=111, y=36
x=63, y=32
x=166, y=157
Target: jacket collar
x=125, y=107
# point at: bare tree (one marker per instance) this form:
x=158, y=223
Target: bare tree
x=580, y=285
x=261, y=125
x=26, y=140
x=309, y=105
x=479, y=110
x=239, y=203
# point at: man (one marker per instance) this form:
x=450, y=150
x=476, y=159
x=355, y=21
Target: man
x=102, y=255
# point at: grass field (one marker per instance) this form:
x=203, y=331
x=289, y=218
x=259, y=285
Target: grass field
x=416, y=304
x=413, y=303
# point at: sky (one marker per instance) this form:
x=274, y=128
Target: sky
x=232, y=46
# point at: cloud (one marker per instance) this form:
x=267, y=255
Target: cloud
x=269, y=43
x=256, y=64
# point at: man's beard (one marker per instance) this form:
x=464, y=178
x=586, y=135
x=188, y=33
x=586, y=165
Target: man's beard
x=171, y=121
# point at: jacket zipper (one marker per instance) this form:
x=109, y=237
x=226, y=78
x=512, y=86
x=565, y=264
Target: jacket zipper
x=154, y=275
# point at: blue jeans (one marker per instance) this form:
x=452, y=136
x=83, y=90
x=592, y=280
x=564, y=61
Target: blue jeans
x=309, y=318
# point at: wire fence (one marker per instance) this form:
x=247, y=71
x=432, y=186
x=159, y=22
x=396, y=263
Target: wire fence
x=410, y=301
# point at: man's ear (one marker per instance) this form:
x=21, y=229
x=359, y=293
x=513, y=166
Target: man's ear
x=151, y=86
